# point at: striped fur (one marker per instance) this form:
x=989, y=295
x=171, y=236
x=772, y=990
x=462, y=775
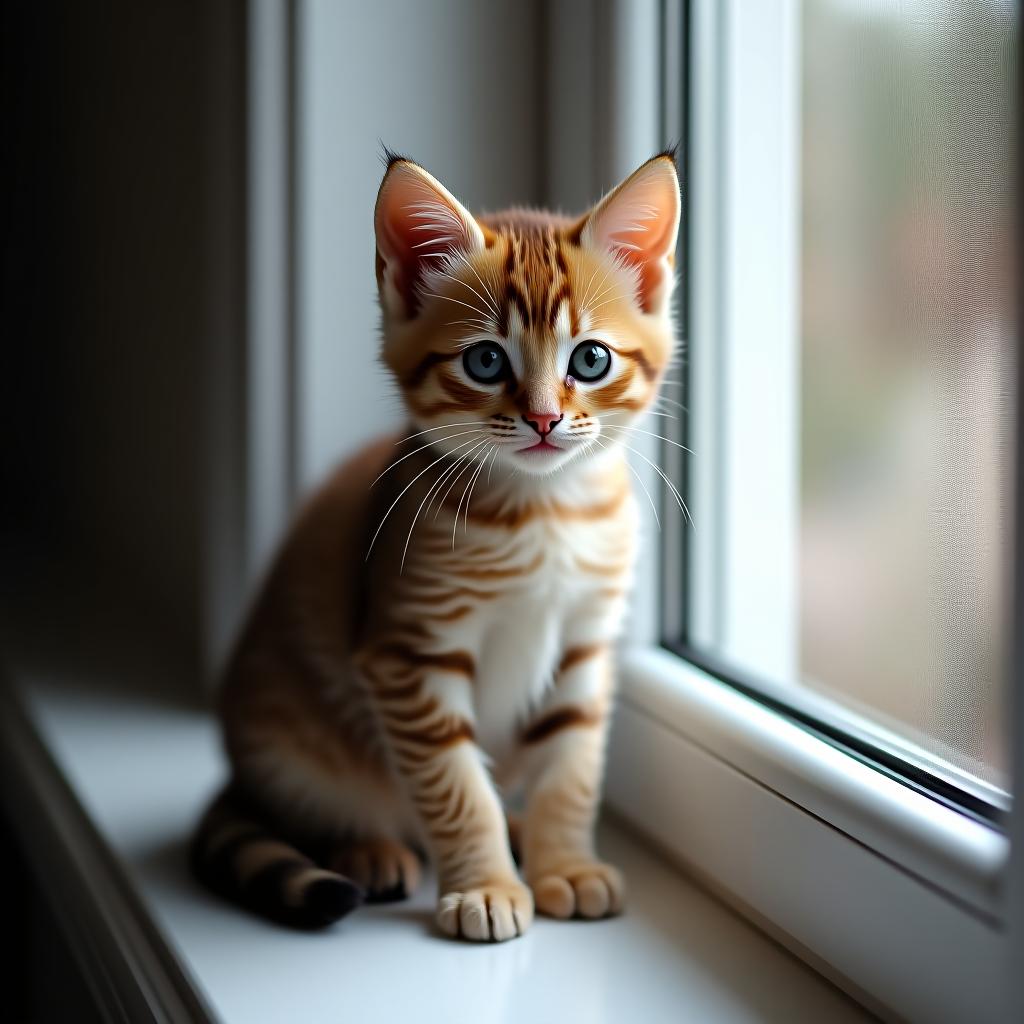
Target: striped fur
x=436, y=634
x=235, y=855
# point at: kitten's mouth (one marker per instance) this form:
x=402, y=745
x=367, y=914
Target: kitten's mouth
x=542, y=446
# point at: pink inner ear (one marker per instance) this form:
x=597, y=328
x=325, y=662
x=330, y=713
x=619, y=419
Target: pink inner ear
x=418, y=226
x=404, y=264
x=648, y=262
x=639, y=223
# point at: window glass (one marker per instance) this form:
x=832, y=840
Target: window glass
x=903, y=339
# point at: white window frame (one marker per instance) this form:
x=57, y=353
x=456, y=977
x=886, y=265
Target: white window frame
x=743, y=356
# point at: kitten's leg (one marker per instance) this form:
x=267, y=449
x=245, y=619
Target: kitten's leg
x=565, y=756
x=424, y=705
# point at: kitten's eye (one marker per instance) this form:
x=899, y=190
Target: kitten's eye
x=486, y=362
x=590, y=361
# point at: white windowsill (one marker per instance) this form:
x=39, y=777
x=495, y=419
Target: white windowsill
x=961, y=856
x=142, y=766
x=896, y=898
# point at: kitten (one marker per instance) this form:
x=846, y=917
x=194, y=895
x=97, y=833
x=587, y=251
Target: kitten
x=438, y=628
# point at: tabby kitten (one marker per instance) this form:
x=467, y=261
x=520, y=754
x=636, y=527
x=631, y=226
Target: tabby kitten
x=437, y=630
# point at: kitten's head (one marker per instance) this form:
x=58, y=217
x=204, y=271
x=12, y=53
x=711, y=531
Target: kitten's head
x=526, y=337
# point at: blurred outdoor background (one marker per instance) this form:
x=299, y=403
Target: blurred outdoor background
x=908, y=349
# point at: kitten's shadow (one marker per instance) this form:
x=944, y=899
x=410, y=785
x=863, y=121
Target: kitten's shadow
x=405, y=912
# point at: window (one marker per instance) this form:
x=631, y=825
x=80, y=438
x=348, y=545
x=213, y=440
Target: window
x=849, y=376
x=823, y=734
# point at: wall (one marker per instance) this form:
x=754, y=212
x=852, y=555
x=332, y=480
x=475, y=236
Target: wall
x=103, y=286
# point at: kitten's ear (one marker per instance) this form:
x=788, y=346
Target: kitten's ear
x=638, y=223
x=419, y=224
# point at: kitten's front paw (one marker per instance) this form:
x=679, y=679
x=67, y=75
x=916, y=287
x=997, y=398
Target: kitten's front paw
x=491, y=913
x=582, y=889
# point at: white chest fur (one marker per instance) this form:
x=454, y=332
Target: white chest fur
x=562, y=601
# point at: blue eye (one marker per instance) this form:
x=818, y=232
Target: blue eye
x=590, y=361
x=486, y=363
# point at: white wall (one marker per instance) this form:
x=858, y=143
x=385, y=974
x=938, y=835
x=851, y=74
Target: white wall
x=455, y=84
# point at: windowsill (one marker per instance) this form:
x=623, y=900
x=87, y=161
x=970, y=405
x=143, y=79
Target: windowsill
x=141, y=767
x=963, y=858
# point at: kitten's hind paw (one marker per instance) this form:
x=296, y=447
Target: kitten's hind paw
x=385, y=869
x=491, y=913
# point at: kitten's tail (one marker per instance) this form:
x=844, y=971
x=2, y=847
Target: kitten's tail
x=235, y=855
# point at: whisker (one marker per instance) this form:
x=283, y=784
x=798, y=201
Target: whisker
x=672, y=401
x=586, y=291
x=591, y=309
x=471, y=321
x=472, y=485
x=408, y=538
x=444, y=426
x=458, y=508
x=608, y=286
x=454, y=481
x=490, y=299
x=490, y=469
x=593, y=277
x=488, y=458
x=449, y=437
x=476, y=309
x=405, y=489
x=470, y=340
x=431, y=490
x=649, y=433
x=439, y=483
x=602, y=289
x=671, y=486
x=466, y=284
x=640, y=481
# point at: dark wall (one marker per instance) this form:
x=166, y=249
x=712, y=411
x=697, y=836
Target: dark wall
x=105, y=250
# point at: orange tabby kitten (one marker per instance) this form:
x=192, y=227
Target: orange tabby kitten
x=438, y=628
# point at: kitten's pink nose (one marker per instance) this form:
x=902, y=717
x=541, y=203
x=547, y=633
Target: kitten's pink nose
x=543, y=422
